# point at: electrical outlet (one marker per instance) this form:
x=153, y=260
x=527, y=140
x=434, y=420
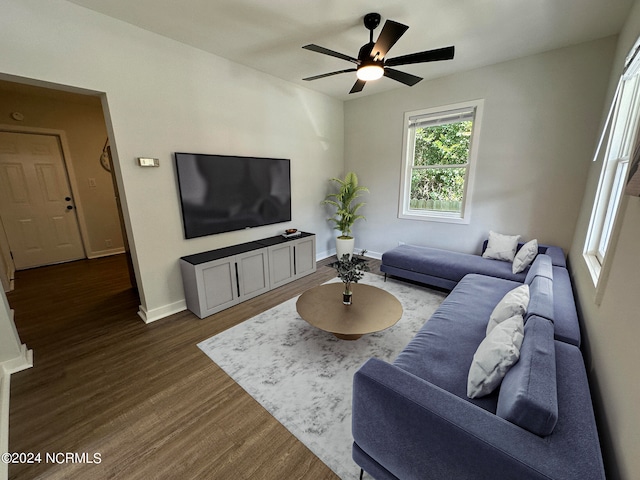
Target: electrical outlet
x=108, y=242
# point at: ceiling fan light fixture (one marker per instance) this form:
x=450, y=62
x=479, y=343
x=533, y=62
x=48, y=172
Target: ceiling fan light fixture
x=372, y=62
x=370, y=72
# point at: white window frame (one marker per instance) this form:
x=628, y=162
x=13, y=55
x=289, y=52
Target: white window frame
x=619, y=169
x=620, y=132
x=445, y=112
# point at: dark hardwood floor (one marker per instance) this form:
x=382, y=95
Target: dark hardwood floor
x=140, y=401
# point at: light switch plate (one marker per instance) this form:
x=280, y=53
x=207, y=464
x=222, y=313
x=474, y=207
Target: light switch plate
x=148, y=162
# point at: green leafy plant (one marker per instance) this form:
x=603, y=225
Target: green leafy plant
x=351, y=270
x=344, y=202
x=440, y=148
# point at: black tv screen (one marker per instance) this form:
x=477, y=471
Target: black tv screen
x=221, y=193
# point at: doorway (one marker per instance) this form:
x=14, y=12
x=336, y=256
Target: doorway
x=36, y=201
x=71, y=126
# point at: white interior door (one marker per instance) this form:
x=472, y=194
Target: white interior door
x=36, y=205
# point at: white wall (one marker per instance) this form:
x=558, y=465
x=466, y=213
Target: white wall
x=613, y=326
x=11, y=349
x=14, y=357
x=6, y=263
x=163, y=97
x=540, y=117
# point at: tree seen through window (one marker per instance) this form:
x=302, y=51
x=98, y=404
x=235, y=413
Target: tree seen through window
x=440, y=161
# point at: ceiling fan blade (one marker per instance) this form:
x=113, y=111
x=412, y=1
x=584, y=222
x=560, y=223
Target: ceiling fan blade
x=316, y=77
x=358, y=86
x=401, y=77
x=326, y=51
x=421, y=57
x=391, y=33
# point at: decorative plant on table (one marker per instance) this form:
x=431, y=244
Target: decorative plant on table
x=350, y=270
x=346, y=211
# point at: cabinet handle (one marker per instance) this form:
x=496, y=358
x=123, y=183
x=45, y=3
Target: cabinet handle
x=237, y=279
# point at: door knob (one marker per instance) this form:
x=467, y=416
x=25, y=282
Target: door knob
x=69, y=207
x=67, y=199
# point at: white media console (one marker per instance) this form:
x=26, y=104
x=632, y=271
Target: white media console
x=221, y=278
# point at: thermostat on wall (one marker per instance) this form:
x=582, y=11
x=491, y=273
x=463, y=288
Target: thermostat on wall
x=148, y=162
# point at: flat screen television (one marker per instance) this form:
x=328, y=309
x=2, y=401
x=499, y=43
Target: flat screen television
x=221, y=193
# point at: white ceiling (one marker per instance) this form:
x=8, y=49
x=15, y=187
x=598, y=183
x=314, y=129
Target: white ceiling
x=267, y=35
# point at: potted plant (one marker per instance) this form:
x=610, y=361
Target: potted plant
x=346, y=211
x=351, y=269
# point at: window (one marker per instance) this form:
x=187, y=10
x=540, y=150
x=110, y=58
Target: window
x=439, y=160
x=620, y=134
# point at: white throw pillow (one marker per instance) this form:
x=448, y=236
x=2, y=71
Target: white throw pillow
x=515, y=302
x=525, y=256
x=501, y=247
x=497, y=353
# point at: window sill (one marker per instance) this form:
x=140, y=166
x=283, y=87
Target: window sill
x=594, y=267
x=434, y=217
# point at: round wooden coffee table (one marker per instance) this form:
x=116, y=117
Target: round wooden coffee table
x=371, y=310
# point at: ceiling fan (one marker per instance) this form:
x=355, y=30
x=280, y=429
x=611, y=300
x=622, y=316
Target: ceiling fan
x=371, y=63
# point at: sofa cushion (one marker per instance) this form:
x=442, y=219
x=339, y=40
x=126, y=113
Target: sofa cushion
x=419, y=277
x=555, y=253
x=442, y=351
x=541, y=299
x=525, y=256
x=515, y=302
x=528, y=394
x=564, y=308
x=541, y=266
x=495, y=355
x=501, y=247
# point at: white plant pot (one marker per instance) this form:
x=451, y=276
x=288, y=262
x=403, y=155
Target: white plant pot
x=344, y=246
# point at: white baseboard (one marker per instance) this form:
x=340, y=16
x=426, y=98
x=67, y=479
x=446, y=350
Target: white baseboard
x=19, y=363
x=376, y=255
x=325, y=254
x=152, y=315
x=328, y=253
x=105, y=253
x=5, y=390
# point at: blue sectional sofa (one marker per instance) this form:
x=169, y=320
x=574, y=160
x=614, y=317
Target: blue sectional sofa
x=412, y=418
x=444, y=269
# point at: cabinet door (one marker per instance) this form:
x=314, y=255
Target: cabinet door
x=217, y=285
x=281, y=264
x=253, y=273
x=305, y=256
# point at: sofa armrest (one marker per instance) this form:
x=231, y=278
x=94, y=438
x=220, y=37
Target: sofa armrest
x=418, y=430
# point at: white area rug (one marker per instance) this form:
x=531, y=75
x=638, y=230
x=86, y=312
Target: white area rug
x=303, y=376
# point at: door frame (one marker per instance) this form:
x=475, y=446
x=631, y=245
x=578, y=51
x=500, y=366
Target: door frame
x=73, y=185
x=7, y=267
